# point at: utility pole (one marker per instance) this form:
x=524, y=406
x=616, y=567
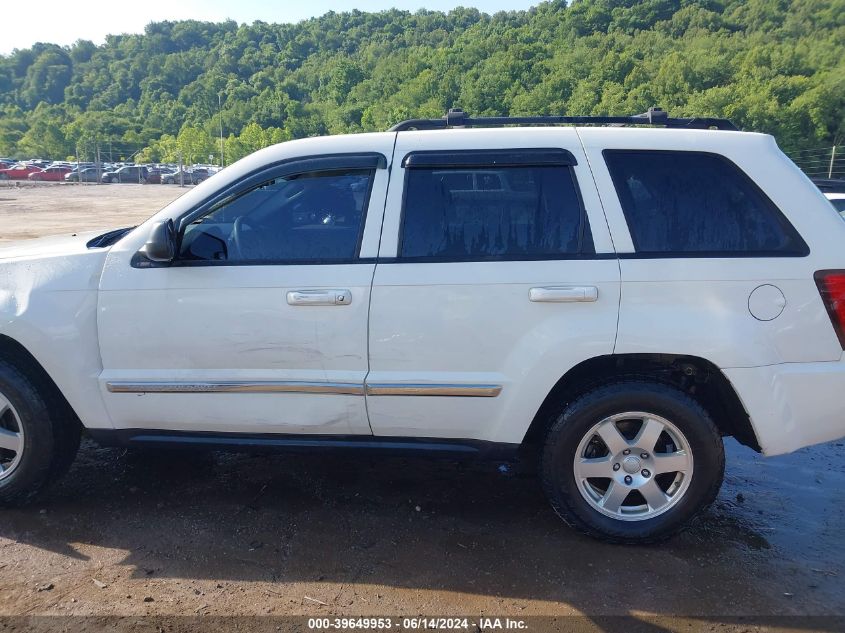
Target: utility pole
x=220, y=113
x=78, y=168
x=832, y=157
x=181, y=171
x=99, y=167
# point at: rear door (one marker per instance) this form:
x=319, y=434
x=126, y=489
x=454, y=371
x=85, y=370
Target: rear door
x=496, y=275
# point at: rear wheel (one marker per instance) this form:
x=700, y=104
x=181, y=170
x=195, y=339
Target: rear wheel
x=632, y=462
x=39, y=436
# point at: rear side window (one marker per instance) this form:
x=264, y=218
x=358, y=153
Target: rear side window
x=699, y=204
x=480, y=213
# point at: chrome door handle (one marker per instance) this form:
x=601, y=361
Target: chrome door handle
x=319, y=297
x=563, y=294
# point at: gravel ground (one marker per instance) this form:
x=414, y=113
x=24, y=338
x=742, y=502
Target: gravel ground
x=34, y=210
x=213, y=534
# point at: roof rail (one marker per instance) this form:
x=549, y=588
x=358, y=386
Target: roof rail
x=456, y=117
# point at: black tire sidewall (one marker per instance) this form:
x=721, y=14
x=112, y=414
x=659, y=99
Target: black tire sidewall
x=33, y=471
x=568, y=431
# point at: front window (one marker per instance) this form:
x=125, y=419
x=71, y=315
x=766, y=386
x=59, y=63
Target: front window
x=303, y=218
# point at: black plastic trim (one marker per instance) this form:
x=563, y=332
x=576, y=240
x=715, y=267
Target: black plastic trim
x=528, y=157
x=277, y=442
x=711, y=255
x=654, y=116
x=497, y=258
x=107, y=239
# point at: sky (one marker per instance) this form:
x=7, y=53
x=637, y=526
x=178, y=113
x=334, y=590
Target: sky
x=65, y=21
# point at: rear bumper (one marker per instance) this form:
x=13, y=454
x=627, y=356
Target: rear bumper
x=792, y=405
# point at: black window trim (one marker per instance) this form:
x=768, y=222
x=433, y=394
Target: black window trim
x=372, y=161
x=469, y=158
x=803, y=249
x=584, y=222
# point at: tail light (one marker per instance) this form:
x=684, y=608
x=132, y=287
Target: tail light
x=831, y=284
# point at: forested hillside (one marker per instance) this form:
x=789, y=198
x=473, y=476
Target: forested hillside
x=770, y=65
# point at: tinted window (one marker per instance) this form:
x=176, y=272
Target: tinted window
x=493, y=213
x=302, y=218
x=690, y=202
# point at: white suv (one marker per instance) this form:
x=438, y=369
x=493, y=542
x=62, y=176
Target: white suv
x=625, y=298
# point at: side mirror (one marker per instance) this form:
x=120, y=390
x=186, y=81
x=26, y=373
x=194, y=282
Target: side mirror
x=161, y=245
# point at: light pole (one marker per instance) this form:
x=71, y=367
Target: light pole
x=220, y=113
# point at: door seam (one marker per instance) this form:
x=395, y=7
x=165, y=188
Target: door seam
x=373, y=278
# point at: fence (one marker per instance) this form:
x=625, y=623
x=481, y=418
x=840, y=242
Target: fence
x=823, y=162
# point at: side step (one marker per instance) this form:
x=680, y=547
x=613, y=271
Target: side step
x=273, y=442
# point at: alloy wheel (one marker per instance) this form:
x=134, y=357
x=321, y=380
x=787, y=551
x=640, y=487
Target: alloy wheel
x=633, y=466
x=11, y=438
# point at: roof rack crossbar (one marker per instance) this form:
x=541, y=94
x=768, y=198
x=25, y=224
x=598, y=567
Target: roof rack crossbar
x=654, y=116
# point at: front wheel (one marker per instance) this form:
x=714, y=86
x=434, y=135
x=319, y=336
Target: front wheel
x=632, y=462
x=39, y=435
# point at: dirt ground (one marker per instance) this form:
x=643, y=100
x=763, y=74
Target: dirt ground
x=151, y=537
x=34, y=210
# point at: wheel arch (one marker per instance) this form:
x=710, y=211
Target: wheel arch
x=15, y=353
x=693, y=375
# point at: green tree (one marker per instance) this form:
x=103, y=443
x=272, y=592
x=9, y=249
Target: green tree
x=195, y=144
x=774, y=66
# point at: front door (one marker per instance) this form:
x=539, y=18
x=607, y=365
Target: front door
x=260, y=325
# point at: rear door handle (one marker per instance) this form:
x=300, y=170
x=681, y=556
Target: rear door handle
x=319, y=297
x=563, y=294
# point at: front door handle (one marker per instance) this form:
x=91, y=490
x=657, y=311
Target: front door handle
x=319, y=297
x=563, y=294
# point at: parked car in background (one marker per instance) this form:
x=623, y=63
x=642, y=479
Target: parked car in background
x=154, y=175
x=191, y=176
x=20, y=171
x=830, y=185
x=128, y=173
x=838, y=202
x=50, y=174
x=172, y=178
x=87, y=174
x=199, y=174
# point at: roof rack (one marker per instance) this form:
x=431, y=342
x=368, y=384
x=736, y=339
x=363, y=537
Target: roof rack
x=456, y=117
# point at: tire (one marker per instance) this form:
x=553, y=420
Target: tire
x=4, y=176
x=615, y=508
x=48, y=433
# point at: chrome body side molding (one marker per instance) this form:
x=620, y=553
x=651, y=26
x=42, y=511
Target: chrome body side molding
x=351, y=389
x=398, y=389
